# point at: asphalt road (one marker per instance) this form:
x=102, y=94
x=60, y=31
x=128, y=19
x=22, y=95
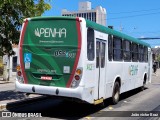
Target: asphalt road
x=135, y=100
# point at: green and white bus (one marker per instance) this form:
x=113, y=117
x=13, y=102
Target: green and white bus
x=76, y=58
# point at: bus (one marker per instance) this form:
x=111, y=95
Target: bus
x=75, y=58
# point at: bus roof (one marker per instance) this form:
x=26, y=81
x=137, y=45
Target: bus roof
x=52, y=18
x=114, y=32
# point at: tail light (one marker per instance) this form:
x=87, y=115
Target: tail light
x=19, y=74
x=77, y=78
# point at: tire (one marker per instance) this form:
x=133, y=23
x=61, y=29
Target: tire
x=116, y=93
x=144, y=84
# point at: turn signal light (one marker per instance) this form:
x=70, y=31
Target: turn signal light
x=18, y=68
x=78, y=72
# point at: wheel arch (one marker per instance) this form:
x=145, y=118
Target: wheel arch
x=117, y=79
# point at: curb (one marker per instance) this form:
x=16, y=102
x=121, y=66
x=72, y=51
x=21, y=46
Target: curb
x=12, y=105
x=2, y=107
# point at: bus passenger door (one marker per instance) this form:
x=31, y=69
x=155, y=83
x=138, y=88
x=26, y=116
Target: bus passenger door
x=100, y=67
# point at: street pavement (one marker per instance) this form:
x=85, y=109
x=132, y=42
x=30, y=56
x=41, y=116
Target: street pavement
x=8, y=93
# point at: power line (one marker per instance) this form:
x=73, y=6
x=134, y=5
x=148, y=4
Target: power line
x=153, y=43
x=146, y=10
x=150, y=32
x=140, y=15
x=149, y=38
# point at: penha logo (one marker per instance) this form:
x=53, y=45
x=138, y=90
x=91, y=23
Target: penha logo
x=49, y=32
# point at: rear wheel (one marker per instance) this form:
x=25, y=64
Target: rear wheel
x=144, y=83
x=116, y=93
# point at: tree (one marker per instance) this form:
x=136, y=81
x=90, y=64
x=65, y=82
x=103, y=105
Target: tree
x=158, y=58
x=12, y=13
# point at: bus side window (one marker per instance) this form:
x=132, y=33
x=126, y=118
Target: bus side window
x=134, y=52
x=145, y=54
x=141, y=52
x=90, y=44
x=117, y=49
x=126, y=50
x=110, y=48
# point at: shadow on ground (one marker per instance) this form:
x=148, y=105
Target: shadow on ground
x=55, y=107
x=11, y=95
x=131, y=93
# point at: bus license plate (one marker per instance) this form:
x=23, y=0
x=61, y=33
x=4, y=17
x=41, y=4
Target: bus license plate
x=46, y=78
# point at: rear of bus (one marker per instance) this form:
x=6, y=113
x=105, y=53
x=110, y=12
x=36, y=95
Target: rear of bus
x=49, y=53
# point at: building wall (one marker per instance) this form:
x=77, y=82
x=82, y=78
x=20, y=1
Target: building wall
x=97, y=15
x=13, y=62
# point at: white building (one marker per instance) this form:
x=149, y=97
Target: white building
x=10, y=64
x=97, y=15
x=157, y=47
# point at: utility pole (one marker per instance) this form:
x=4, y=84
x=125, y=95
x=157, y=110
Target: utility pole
x=121, y=28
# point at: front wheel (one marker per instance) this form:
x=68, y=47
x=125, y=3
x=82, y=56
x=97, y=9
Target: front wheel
x=116, y=93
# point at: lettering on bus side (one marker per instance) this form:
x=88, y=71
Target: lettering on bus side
x=46, y=71
x=90, y=66
x=50, y=32
x=133, y=70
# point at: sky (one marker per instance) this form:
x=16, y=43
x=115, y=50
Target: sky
x=137, y=18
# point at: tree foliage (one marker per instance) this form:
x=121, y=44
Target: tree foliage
x=12, y=13
x=158, y=58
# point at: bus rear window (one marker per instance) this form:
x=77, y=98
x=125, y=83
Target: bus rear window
x=90, y=44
